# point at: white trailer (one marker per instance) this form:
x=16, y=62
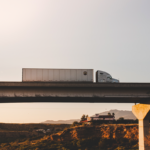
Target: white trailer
x=57, y=75
x=102, y=76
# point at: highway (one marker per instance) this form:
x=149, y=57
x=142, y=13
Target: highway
x=12, y=92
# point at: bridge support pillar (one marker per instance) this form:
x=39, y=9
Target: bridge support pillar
x=142, y=112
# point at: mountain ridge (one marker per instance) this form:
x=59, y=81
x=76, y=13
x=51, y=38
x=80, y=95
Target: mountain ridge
x=120, y=113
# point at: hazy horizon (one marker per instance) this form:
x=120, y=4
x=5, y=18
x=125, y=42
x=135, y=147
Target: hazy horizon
x=71, y=118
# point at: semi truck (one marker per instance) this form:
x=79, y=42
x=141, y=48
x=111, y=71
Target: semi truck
x=65, y=75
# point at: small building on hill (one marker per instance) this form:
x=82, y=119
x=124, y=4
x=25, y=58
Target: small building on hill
x=97, y=118
x=101, y=117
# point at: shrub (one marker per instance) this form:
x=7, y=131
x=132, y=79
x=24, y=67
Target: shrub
x=75, y=123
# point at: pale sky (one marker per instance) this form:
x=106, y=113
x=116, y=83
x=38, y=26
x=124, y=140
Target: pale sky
x=108, y=35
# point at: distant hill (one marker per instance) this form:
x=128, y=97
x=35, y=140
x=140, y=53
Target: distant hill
x=118, y=113
x=60, y=121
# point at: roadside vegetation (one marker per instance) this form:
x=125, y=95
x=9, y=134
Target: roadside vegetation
x=29, y=137
x=83, y=144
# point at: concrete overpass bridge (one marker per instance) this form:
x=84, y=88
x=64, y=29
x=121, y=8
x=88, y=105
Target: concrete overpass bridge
x=11, y=92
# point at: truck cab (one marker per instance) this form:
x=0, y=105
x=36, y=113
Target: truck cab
x=102, y=76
